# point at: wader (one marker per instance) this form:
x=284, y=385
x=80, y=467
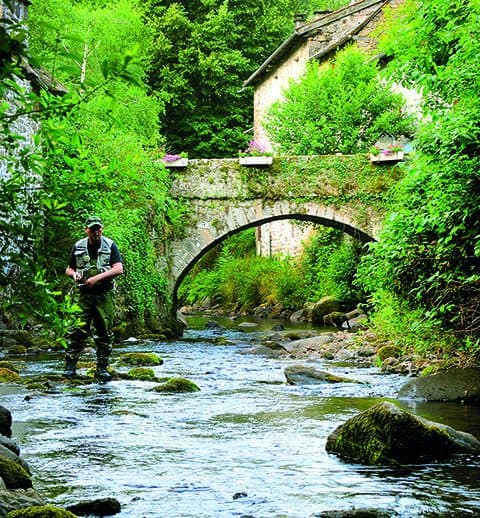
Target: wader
x=97, y=308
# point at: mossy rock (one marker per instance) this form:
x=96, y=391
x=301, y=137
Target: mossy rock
x=8, y=376
x=139, y=359
x=14, y=475
x=388, y=351
x=141, y=373
x=177, y=385
x=302, y=374
x=17, y=350
x=5, y=364
x=386, y=434
x=41, y=511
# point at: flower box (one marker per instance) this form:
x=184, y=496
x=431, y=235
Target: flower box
x=179, y=162
x=387, y=157
x=256, y=160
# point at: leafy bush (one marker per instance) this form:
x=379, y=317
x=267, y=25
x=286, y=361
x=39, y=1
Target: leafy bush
x=343, y=107
x=429, y=252
x=238, y=278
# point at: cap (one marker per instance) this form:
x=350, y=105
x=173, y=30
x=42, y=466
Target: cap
x=92, y=221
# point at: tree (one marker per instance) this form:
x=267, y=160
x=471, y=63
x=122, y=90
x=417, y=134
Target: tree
x=97, y=152
x=429, y=252
x=201, y=54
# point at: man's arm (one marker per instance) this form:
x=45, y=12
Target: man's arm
x=71, y=272
x=115, y=271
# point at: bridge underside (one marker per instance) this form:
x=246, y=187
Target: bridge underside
x=215, y=222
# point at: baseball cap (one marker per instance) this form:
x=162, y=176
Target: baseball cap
x=93, y=220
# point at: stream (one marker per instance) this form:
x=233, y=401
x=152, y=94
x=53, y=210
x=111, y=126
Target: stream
x=247, y=444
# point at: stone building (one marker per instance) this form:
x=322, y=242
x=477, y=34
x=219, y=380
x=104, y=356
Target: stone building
x=316, y=39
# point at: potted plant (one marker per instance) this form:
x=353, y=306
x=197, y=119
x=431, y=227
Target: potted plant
x=255, y=154
x=391, y=152
x=180, y=160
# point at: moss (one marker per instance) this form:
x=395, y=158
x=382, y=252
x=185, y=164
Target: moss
x=177, y=385
x=14, y=475
x=41, y=511
x=139, y=359
x=141, y=373
x=430, y=369
x=8, y=376
x=4, y=364
x=385, y=434
x=388, y=351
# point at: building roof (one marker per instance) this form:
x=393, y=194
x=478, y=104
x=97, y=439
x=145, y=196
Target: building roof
x=304, y=31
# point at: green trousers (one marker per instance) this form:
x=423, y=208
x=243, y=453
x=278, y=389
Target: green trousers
x=98, y=312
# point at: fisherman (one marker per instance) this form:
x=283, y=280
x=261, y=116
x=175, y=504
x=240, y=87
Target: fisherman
x=94, y=263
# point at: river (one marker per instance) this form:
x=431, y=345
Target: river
x=247, y=444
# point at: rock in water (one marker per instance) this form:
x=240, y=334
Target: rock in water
x=456, y=384
x=386, y=434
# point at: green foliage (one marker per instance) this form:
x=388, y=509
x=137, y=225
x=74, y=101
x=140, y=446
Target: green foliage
x=241, y=279
x=202, y=52
x=394, y=321
x=429, y=251
x=97, y=156
x=342, y=107
x=99, y=159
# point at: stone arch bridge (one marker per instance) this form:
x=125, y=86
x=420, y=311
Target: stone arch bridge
x=222, y=197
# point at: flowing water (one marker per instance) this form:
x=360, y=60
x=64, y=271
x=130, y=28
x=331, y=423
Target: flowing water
x=247, y=444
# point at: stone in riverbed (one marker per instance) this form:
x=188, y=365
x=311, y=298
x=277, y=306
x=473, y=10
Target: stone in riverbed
x=177, y=385
x=5, y=422
x=362, y=512
x=41, y=511
x=386, y=434
x=456, y=384
x=139, y=359
x=301, y=374
x=99, y=507
x=14, y=475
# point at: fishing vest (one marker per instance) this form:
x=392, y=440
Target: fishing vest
x=83, y=260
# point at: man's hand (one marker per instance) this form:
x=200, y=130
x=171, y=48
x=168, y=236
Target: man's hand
x=77, y=276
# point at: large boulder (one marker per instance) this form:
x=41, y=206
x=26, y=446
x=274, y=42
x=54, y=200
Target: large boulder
x=386, y=434
x=317, y=310
x=456, y=384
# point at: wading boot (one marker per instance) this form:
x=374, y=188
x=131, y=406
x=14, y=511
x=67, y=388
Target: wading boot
x=102, y=373
x=70, y=370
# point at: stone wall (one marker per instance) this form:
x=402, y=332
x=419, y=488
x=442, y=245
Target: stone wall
x=272, y=89
x=12, y=160
x=282, y=238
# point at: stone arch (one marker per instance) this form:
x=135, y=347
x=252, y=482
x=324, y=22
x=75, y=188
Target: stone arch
x=348, y=228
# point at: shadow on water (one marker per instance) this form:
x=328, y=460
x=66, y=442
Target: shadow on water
x=246, y=444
